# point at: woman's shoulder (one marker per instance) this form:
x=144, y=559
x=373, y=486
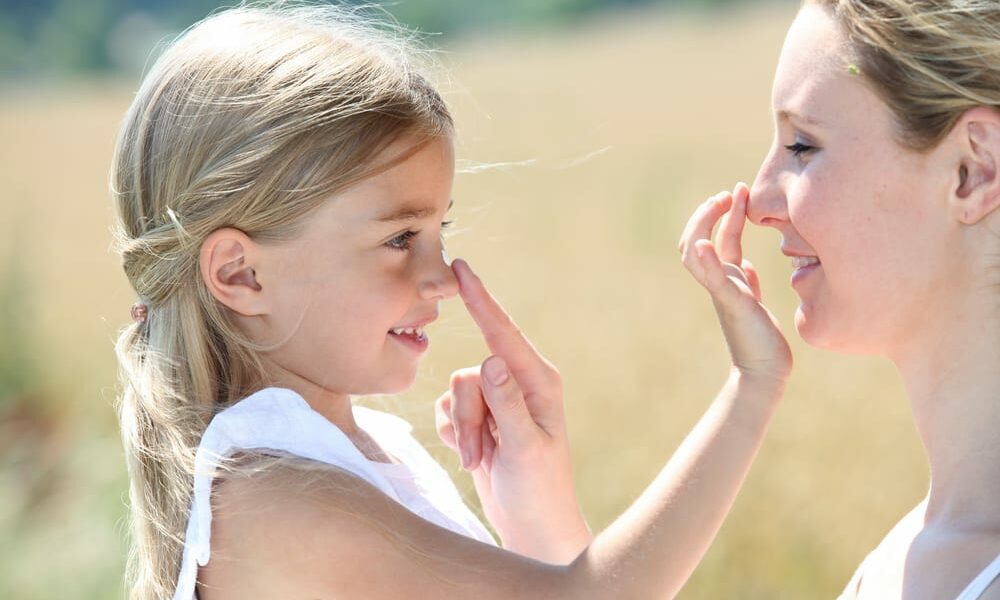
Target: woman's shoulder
x=917, y=560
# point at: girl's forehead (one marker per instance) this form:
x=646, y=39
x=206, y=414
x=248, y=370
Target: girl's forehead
x=416, y=187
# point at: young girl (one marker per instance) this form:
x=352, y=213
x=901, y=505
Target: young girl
x=281, y=181
x=884, y=182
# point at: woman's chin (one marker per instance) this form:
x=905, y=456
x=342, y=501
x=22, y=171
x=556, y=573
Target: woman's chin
x=836, y=337
x=812, y=330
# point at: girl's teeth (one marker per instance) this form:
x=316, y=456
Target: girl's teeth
x=412, y=331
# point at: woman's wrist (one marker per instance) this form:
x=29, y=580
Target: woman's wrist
x=556, y=543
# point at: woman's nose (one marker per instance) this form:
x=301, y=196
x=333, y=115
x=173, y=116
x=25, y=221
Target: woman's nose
x=439, y=281
x=767, y=205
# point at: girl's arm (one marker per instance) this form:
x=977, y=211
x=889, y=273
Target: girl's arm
x=529, y=497
x=341, y=537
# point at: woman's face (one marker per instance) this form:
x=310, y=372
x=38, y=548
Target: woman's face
x=862, y=217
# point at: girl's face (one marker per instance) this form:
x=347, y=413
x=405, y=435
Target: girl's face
x=862, y=217
x=368, y=262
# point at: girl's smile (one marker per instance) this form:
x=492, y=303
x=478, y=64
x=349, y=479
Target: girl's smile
x=356, y=288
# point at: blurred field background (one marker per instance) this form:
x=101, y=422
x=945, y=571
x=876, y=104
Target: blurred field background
x=612, y=125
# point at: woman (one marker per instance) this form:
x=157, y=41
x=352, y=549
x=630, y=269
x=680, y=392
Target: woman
x=884, y=182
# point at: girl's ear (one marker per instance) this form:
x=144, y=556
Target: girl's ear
x=228, y=266
x=978, y=192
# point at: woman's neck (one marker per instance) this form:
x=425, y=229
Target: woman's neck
x=952, y=375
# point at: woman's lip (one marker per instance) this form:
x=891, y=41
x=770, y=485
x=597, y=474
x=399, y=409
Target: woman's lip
x=802, y=272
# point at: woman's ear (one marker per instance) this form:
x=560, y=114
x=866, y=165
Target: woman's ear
x=978, y=192
x=228, y=266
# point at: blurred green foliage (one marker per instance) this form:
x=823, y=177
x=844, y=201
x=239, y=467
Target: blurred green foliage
x=59, y=37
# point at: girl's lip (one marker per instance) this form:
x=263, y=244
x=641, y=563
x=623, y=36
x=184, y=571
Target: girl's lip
x=414, y=343
x=421, y=323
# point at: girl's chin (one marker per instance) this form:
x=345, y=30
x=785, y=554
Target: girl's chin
x=398, y=383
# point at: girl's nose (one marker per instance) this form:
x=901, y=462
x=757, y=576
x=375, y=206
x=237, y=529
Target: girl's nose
x=439, y=282
x=767, y=205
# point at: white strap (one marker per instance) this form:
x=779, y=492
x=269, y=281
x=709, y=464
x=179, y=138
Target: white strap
x=259, y=421
x=982, y=581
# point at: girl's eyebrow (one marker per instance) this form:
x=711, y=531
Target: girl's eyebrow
x=408, y=213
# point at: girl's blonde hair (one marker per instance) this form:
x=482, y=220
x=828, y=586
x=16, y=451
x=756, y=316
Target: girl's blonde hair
x=929, y=60
x=251, y=119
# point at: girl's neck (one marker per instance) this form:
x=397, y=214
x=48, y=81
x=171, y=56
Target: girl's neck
x=334, y=406
x=952, y=375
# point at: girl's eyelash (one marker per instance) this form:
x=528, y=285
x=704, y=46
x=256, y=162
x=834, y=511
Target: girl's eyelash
x=798, y=149
x=402, y=241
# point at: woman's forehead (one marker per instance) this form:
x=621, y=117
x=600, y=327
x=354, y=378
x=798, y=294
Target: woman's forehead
x=814, y=80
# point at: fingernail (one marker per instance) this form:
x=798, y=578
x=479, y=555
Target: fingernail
x=496, y=370
x=466, y=459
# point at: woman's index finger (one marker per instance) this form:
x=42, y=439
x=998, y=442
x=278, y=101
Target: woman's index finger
x=502, y=335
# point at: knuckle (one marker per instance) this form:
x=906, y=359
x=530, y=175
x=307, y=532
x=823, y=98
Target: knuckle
x=463, y=376
x=552, y=377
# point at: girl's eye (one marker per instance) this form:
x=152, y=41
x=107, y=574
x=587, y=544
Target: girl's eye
x=403, y=241
x=798, y=149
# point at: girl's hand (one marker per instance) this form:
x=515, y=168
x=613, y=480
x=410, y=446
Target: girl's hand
x=758, y=348
x=505, y=419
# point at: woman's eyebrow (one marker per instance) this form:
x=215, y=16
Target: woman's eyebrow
x=790, y=115
x=409, y=213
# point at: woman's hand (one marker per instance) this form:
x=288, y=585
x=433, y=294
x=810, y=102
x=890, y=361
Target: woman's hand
x=505, y=419
x=759, y=350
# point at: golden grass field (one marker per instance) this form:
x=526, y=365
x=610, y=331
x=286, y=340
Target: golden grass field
x=615, y=130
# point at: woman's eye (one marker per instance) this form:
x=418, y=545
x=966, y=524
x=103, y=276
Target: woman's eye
x=401, y=241
x=798, y=149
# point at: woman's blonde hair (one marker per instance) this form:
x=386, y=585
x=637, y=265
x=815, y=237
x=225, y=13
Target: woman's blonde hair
x=929, y=60
x=251, y=119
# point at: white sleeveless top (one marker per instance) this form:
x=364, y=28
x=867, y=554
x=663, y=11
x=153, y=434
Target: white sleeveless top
x=972, y=591
x=280, y=419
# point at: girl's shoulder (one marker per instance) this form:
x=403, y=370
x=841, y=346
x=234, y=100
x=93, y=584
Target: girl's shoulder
x=299, y=529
